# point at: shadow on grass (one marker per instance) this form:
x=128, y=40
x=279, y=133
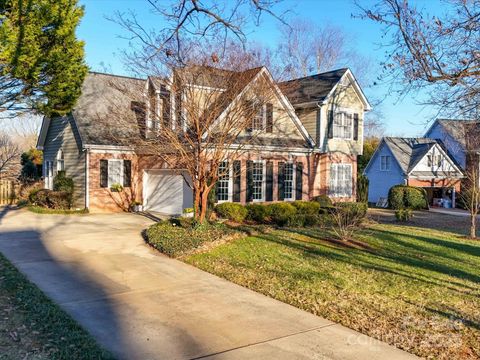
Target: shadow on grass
x=397, y=261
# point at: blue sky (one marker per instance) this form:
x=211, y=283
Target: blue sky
x=104, y=44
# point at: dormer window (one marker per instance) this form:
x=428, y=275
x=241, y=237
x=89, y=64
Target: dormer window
x=434, y=160
x=343, y=125
x=60, y=161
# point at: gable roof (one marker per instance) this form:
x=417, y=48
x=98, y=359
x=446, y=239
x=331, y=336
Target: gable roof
x=455, y=128
x=408, y=152
x=318, y=88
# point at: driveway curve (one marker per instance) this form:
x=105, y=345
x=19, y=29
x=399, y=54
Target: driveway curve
x=142, y=305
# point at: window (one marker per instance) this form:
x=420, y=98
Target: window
x=343, y=125
x=115, y=172
x=385, y=162
x=340, y=180
x=60, y=161
x=257, y=180
x=223, y=183
x=288, y=182
x=48, y=175
x=434, y=160
x=259, y=120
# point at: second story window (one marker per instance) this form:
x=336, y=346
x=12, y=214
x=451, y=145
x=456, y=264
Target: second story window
x=343, y=125
x=434, y=160
x=263, y=119
x=385, y=163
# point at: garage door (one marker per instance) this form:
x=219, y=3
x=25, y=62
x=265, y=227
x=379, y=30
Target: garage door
x=166, y=192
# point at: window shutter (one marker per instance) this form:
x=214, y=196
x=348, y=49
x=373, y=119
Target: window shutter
x=355, y=126
x=269, y=182
x=299, y=181
x=249, y=111
x=103, y=173
x=249, y=180
x=127, y=173
x=281, y=181
x=330, y=124
x=237, y=180
x=269, y=128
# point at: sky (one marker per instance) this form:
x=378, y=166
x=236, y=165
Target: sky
x=401, y=117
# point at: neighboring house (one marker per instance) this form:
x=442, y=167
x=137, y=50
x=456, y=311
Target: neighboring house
x=418, y=162
x=309, y=139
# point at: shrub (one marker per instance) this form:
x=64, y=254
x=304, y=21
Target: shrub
x=347, y=217
x=307, y=207
x=257, y=212
x=282, y=214
x=324, y=201
x=402, y=196
x=175, y=238
x=404, y=214
x=231, y=211
x=362, y=188
x=63, y=183
x=116, y=187
x=51, y=199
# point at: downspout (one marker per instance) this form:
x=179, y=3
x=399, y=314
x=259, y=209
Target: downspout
x=87, y=176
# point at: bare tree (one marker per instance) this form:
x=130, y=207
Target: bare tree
x=440, y=55
x=196, y=20
x=9, y=157
x=201, y=119
x=24, y=130
x=306, y=48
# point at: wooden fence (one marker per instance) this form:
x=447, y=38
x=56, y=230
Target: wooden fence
x=7, y=192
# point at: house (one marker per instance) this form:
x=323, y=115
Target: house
x=418, y=162
x=310, y=135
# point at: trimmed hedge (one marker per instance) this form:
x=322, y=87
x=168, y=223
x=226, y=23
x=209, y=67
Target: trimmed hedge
x=282, y=214
x=324, y=201
x=411, y=197
x=307, y=207
x=231, y=211
x=257, y=212
x=175, y=238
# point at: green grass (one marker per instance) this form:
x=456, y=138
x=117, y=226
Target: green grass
x=42, y=210
x=32, y=326
x=418, y=289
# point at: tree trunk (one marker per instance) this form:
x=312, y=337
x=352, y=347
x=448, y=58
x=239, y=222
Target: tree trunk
x=473, y=226
x=196, y=203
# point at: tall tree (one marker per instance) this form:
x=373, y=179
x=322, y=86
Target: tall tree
x=42, y=63
x=437, y=54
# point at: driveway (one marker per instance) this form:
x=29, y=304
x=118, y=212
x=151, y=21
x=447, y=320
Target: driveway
x=142, y=305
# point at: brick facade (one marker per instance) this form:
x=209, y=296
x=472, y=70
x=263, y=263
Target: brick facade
x=316, y=169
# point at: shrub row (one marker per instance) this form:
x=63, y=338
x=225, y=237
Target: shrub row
x=407, y=197
x=297, y=213
x=177, y=237
x=51, y=199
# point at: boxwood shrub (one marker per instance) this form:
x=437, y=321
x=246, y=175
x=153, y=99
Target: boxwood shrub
x=282, y=214
x=411, y=197
x=257, y=212
x=51, y=199
x=324, y=201
x=175, y=238
x=307, y=207
x=231, y=211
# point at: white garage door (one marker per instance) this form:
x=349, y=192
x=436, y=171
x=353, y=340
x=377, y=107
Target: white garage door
x=166, y=192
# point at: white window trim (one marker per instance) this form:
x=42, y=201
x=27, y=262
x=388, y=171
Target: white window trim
x=330, y=191
x=343, y=111
x=293, y=181
x=122, y=175
x=264, y=120
x=60, y=160
x=264, y=183
x=230, y=184
x=48, y=174
x=389, y=163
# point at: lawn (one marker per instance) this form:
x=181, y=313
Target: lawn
x=33, y=327
x=415, y=288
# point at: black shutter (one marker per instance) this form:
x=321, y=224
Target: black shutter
x=237, y=180
x=103, y=173
x=127, y=173
x=330, y=124
x=269, y=128
x=249, y=180
x=355, y=126
x=269, y=182
x=299, y=181
x=281, y=181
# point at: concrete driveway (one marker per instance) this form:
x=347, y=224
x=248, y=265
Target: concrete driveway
x=142, y=305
